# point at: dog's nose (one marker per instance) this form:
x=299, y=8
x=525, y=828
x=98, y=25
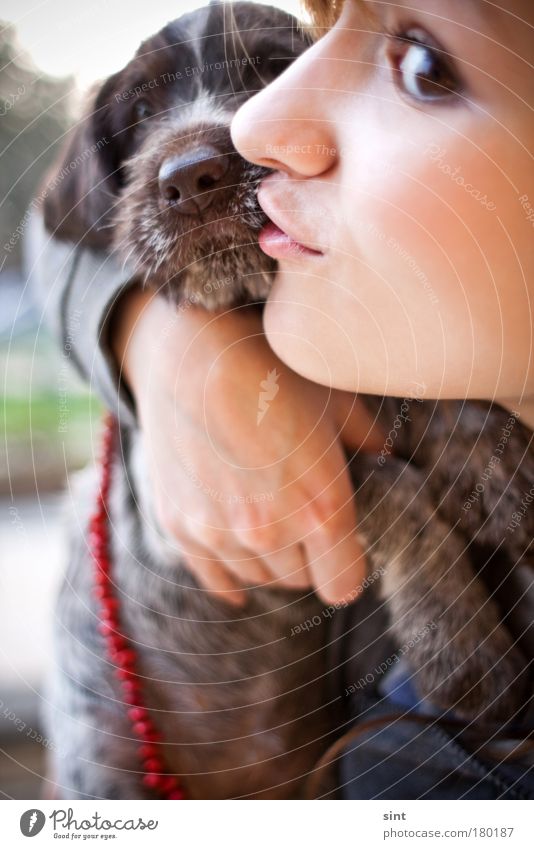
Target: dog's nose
x=188, y=181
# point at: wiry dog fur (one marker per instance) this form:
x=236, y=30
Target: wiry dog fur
x=241, y=705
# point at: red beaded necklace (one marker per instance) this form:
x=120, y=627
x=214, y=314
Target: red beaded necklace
x=156, y=776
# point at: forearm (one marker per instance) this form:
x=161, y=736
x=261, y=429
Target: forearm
x=179, y=345
x=77, y=291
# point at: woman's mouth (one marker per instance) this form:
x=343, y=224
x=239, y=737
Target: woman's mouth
x=274, y=239
x=279, y=245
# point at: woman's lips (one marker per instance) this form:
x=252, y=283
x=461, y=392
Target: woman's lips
x=274, y=240
x=277, y=244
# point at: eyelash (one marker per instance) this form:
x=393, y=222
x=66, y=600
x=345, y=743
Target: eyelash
x=411, y=38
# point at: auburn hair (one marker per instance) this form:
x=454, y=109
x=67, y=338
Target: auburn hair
x=324, y=13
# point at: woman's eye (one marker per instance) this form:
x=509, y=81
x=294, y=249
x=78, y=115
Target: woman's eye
x=422, y=70
x=141, y=109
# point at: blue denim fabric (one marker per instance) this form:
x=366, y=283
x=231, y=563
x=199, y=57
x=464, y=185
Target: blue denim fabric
x=406, y=760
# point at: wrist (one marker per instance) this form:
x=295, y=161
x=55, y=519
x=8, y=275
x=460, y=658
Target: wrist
x=158, y=344
x=127, y=331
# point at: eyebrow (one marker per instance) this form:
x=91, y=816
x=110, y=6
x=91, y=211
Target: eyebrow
x=481, y=5
x=484, y=10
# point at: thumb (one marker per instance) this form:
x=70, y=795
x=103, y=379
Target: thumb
x=337, y=565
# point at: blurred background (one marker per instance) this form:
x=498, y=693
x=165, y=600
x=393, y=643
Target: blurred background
x=50, y=53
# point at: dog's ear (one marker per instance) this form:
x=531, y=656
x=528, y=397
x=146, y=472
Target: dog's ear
x=80, y=190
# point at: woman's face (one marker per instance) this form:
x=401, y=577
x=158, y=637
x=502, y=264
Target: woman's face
x=403, y=200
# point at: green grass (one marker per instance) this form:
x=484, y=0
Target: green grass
x=20, y=417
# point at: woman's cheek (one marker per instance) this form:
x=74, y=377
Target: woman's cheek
x=458, y=266
x=346, y=327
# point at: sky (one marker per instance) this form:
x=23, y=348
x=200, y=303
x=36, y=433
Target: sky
x=67, y=36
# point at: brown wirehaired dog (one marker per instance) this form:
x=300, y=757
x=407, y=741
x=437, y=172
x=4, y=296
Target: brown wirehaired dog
x=241, y=705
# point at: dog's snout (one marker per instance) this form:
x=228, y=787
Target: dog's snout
x=188, y=181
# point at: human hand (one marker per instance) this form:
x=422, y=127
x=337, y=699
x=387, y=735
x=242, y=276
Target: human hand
x=248, y=471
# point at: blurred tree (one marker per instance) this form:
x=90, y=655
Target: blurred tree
x=34, y=114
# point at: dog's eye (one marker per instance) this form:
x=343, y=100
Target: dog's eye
x=422, y=70
x=141, y=109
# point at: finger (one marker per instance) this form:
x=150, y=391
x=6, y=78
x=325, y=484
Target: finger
x=289, y=568
x=214, y=577
x=358, y=427
x=222, y=546
x=337, y=565
x=246, y=568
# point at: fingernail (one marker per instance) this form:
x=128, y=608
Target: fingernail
x=235, y=597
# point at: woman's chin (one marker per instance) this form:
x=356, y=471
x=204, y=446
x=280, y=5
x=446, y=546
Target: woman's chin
x=299, y=345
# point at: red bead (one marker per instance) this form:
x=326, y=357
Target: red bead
x=124, y=674
x=142, y=729
x=102, y=579
x=147, y=750
x=97, y=524
x=106, y=612
x=126, y=658
x=152, y=736
x=176, y=794
x=113, y=617
x=138, y=714
x=97, y=536
x=168, y=784
x=109, y=604
x=152, y=780
x=131, y=698
x=117, y=642
x=153, y=765
x=97, y=552
x=132, y=692
x=106, y=627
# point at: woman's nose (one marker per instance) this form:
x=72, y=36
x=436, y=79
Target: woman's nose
x=286, y=126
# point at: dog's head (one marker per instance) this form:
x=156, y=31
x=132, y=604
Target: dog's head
x=152, y=171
